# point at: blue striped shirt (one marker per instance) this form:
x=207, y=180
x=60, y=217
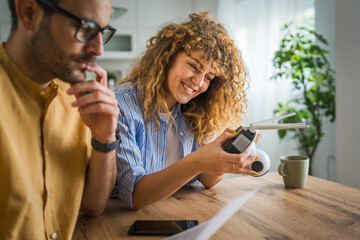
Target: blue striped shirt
x=142, y=149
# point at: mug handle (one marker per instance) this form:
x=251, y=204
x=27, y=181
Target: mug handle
x=281, y=169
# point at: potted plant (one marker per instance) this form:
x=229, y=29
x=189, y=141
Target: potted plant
x=303, y=61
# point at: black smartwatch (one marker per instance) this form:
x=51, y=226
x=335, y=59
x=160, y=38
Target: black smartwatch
x=106, y=147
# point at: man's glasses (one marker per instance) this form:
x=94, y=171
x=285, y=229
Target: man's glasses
x=87, y=29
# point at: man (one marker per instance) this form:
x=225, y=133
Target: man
x=48, y=168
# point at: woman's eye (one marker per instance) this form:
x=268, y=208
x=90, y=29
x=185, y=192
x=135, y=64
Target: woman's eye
x=209, y=79
x=193, y=67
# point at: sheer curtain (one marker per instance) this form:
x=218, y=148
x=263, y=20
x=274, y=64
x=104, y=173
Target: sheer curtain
x=256, y=26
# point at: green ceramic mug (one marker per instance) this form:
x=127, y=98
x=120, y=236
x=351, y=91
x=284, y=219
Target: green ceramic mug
x=294, y=170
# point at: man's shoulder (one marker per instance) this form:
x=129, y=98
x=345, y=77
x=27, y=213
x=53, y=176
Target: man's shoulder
x=5, y=79
x=3, y=72
x=5, y=69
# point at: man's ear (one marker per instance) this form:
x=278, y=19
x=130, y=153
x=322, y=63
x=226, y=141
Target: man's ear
x=29, y=13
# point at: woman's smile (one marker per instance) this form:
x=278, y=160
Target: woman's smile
x=188, y=89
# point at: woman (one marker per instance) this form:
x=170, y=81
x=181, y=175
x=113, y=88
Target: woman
x=186, y=88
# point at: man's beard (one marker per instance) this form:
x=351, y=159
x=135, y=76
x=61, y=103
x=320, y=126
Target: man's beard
x=48, y=60
x=68, y=74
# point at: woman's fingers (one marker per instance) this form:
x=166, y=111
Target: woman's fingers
x=217, y=161
x=243, y=167
x=259, y=137
x=225, y=136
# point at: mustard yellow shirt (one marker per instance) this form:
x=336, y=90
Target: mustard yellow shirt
x=43, y=157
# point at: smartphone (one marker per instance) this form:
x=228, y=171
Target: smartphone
x=160, y=227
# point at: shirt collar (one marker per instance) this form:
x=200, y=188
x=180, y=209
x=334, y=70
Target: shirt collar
x=174, y=113
x=20, y=80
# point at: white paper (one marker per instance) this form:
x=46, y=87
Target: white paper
x=206, y=229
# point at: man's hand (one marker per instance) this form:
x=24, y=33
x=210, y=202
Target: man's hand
x=97, y=105
x=98, y=108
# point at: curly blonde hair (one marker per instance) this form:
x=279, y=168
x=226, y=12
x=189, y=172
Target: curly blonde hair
x=224, y=102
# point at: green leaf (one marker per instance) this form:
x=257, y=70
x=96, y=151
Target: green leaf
x=282, y=133
x=303, y=62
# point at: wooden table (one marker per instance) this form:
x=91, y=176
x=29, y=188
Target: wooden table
x=321, y=210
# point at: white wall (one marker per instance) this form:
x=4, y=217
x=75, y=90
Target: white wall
x=338, y=21
x=5, y=21
x=325, y=157
x=347, y=51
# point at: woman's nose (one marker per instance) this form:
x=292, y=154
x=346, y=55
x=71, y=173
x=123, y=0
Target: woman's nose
x=199, y=80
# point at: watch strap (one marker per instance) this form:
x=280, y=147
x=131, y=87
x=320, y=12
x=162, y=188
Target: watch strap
x=106, y=147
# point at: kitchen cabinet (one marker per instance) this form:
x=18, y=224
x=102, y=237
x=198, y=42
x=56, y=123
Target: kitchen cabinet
x=144, y=18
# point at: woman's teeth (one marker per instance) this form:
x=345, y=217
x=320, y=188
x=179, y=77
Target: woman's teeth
x=190, y=90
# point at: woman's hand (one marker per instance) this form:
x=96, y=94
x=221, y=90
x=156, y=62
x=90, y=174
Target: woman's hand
x=212, y=159
x=259, y=137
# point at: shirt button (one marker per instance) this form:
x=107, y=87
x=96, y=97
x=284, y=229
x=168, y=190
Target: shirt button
x=181, y=133
x=48, y=193
x=42, y=93
x=53, y=235
x=46, y=153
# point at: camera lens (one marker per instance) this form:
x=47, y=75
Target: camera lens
x=257, y=166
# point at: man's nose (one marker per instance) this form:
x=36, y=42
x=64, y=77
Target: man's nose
x=96, y=46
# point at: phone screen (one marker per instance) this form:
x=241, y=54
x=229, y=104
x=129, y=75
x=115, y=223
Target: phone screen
x=160, y=227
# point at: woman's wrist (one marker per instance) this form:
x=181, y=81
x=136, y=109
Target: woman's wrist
x=192, y=163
